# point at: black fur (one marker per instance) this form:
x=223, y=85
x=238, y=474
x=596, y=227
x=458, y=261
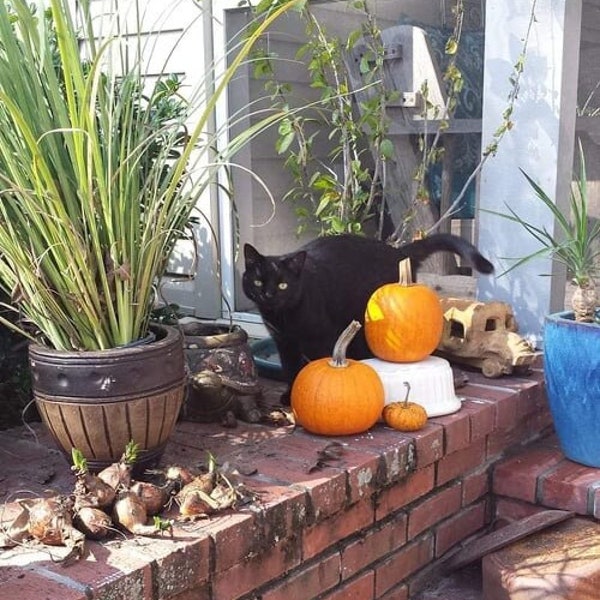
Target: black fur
x=307, y=297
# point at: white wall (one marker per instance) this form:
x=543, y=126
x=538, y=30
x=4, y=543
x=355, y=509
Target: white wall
x=541, y=144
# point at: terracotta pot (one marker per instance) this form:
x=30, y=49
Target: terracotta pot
x=98, y=401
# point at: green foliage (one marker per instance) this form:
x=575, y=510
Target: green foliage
x=132, y=450
x=334, y=201
x=80, y=464
x=575, y=244
x=429, y=145
x=327, y=199
x=97, y=177
x=344, y=200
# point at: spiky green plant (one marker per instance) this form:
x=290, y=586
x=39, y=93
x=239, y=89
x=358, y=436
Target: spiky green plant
x=95, y=188
x=575, y=242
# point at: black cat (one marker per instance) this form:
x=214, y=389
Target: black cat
x=306, y=298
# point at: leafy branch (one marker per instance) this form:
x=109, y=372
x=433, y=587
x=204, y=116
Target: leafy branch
x=506, y=123
x=337, y=193
x=342, y=199
x=431, y=152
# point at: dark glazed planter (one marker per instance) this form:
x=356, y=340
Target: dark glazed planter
x=572, y=372
x=98, y=401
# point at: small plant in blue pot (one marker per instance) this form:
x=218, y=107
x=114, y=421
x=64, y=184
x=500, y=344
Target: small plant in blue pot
x=572, y=338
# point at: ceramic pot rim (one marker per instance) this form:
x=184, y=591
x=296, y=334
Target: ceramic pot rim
x=567, y=317
x=165, y=335
x=216, y=336
x=111, y=373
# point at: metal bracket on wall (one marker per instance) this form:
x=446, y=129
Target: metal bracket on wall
x=406, y=100
x=392, y=52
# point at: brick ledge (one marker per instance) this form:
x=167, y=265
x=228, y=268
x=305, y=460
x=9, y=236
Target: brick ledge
x=371, y=525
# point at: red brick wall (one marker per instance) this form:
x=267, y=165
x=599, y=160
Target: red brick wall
x=371, y=524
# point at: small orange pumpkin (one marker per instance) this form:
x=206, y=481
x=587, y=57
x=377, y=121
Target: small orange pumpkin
x=405, y=416
x=404, y=320
x=337, y=395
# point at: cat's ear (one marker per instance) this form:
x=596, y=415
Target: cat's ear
x=295, y=262
x=251, y=255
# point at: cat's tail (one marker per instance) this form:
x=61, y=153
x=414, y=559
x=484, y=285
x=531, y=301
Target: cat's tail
x=419, y=250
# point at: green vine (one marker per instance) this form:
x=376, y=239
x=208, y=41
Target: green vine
x=338, y=193
x=428, y=144
x=506, y=123
x=346, y=199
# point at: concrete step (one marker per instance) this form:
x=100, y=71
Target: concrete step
x=559, y=563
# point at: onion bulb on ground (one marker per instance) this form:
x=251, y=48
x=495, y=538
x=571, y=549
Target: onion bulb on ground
x=178, y=474
x=194, y=498
x=153, y=496
x=118, y=475
x=94, y=523
x=89, y=490
x=130, y=512
x=51, y=523
x=50, y=519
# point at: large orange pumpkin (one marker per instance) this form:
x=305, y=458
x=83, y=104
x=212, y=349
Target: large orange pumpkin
x=337, y=395
x=404, y=320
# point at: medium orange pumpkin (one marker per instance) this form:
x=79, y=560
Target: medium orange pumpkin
x=405, y=416
x=337, y=395
x=404, y=320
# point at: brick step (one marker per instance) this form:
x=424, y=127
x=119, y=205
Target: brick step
x=377, y=522
x=559, y=563
x=532, y=480
x=563, y=561
x=540, y=477
x=463, y=579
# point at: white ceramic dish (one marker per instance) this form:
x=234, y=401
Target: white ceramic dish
x=431, y=383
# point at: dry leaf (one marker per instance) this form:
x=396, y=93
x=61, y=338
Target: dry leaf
x=330, y=453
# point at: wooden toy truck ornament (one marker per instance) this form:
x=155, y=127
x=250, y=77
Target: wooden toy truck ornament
x=484, y=335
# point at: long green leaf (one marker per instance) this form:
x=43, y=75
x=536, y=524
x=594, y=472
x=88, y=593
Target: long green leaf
x=574, y=244
x=95, y=185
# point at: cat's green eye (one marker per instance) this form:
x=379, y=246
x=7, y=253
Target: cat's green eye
x=283, y=285
x=257, y=283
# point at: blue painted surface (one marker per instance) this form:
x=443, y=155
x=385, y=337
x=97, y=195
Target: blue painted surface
x=572, y=371
x=267, y=359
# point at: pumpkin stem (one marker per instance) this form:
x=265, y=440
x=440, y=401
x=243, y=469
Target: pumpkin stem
x=338, y=358
x=405, y=277
x=407, y=385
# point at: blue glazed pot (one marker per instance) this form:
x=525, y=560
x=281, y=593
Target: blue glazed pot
x=572, y=372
